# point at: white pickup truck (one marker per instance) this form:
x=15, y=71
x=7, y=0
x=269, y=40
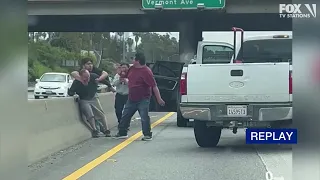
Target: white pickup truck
x=253, y=90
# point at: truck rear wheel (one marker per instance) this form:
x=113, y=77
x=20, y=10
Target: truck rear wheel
x=206, y=136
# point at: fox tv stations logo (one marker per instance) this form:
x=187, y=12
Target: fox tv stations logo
x=297, y=10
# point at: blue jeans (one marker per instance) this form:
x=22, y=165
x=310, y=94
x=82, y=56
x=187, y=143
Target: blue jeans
x=130, y=108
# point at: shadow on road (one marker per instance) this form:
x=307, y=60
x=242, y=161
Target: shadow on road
x=228, y=142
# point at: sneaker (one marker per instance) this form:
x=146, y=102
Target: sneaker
x=120, y=136
x=107, y=133
x=147, y=138
x=95, y=134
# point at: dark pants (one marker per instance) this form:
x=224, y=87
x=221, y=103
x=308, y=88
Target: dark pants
x=130, y=109
x=120, y=101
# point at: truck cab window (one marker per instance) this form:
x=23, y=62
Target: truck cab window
x=214, y=54
x=267, y=50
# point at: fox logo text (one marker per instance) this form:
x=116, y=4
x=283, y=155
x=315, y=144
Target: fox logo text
x=297, y=10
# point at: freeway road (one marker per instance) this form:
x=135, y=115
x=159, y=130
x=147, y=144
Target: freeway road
x=172, y=155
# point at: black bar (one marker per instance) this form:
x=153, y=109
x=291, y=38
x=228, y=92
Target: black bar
x=236, y=72
x=234, y=45
x=241, y=47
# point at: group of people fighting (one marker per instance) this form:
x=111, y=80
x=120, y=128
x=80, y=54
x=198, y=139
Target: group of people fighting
x=134, y=87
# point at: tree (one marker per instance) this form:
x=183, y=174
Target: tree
x=120, y=34
x=49, y=50
x=158, y=47
x=43, y=57
x=136, y=39
x=130, y=44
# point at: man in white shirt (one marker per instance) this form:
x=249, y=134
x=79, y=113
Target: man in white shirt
x=122, y=89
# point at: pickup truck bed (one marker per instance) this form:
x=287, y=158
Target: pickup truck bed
x=242, y=92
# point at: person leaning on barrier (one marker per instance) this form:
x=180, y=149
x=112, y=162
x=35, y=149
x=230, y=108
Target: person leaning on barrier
x=99, y=125
x=87, y=64
x=86, y=88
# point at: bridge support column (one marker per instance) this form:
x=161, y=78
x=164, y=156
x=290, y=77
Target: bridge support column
x=189, y=35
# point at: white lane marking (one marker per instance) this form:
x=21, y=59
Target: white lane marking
x=278, y=162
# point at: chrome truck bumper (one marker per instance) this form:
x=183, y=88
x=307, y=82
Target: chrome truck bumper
x=255, y=112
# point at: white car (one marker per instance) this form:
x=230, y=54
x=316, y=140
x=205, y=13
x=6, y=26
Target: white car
x=52, y=84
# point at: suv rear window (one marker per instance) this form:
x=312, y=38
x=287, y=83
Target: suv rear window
x=216, y=54
x=267, y=50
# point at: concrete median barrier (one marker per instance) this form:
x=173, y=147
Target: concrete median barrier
x=55, y=124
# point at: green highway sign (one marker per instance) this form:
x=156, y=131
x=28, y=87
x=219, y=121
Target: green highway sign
x=183, y=4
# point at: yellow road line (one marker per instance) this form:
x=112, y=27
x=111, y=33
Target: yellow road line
x=94, y=163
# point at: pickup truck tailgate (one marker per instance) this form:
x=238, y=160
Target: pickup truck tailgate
x=252, y=82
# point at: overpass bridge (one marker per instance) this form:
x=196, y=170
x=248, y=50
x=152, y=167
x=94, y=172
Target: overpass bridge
x=130, y=16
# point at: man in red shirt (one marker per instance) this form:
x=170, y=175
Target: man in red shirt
x=141, y=83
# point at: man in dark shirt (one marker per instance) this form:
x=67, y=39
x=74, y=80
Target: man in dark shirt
x=86, y=88
x=87, y=64
x=140, y=82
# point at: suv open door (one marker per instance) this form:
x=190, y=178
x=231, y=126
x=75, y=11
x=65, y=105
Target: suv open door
x=150, y=65
x=167, y=75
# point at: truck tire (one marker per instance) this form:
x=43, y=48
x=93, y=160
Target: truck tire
x=181, y=121
x=206, y=136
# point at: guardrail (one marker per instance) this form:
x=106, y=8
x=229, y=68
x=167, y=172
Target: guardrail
x=30, y=89
x=100, y=90
x=55, y=124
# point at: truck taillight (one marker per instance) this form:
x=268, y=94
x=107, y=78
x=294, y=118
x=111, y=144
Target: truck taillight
x=183, y=84
x=290, y=82
x=237, y=61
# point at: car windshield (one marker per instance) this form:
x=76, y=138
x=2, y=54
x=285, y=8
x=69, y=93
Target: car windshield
x=53, y=78
x=268, y=50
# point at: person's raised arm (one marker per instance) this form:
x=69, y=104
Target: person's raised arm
x=102, y=74
x=75, y=75
x=103, y=81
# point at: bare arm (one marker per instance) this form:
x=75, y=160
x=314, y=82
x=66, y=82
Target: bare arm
x=156, y=92
x=75, y=75
x=104, y=75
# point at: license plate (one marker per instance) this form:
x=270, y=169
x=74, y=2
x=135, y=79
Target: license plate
x=48, y=92
x=237, y=111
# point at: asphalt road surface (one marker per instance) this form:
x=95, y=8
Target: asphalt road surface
x=172, y=155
